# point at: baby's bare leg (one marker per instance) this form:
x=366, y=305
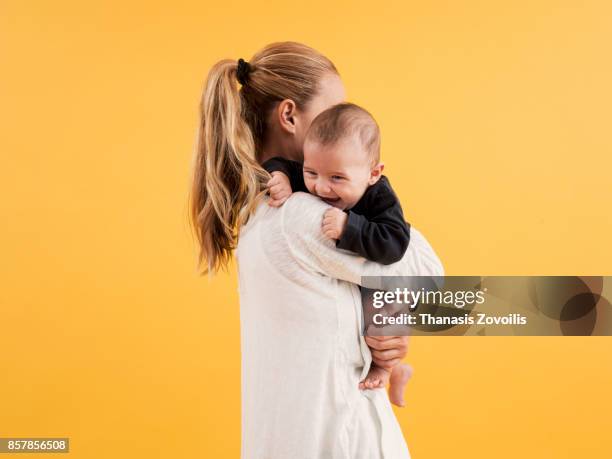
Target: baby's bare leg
x=377, y=377
x=399, y=378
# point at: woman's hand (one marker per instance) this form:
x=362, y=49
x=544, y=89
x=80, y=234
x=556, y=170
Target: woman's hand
x=387, y=351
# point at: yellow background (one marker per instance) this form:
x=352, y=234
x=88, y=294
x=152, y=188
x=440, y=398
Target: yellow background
x=496, y=135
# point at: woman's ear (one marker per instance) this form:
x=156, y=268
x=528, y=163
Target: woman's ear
x=376, y=173
x=286, y=115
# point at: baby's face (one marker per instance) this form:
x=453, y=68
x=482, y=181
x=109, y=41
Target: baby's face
x=339, y=174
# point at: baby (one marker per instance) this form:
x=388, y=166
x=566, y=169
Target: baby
x=342, y=167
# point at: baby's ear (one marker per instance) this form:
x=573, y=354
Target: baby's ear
x=376, y=173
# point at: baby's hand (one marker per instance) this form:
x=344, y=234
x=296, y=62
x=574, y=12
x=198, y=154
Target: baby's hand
x=334, y=222
x=279, y=188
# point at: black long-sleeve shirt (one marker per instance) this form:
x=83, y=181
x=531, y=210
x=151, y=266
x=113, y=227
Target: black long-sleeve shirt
x=375, y=228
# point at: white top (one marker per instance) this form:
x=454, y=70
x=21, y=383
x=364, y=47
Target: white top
x=302, y=351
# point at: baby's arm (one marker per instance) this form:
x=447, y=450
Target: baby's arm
x=287, y=177
x=314, y=251
x=381, y=234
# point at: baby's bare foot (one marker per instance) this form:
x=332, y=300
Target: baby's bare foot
x=399, y=378
x=377, y=377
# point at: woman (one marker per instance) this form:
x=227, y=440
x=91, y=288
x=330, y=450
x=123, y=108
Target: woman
x=302, y=352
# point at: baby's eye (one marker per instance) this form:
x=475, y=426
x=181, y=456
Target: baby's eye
x=337, y=177
x=310, y=173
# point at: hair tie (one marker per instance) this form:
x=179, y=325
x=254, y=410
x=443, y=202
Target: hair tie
x=242, y=72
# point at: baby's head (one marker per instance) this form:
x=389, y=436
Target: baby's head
x=342, y=155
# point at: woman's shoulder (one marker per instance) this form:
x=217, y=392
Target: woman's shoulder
x=298, y=230
x=302, y=209
x=287, y=236
x=299, y=222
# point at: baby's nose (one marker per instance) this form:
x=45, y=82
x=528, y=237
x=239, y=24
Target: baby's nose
x=322, y=188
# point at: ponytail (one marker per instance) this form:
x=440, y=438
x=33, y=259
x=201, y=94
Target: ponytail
x=227, y=178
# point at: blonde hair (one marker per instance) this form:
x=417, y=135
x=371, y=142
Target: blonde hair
x=344, y=120
x=227, y=180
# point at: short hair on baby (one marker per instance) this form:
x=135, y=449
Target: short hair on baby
x=343, y=120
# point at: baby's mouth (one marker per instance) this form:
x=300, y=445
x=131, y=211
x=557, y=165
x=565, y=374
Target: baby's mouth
x=331, y=201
